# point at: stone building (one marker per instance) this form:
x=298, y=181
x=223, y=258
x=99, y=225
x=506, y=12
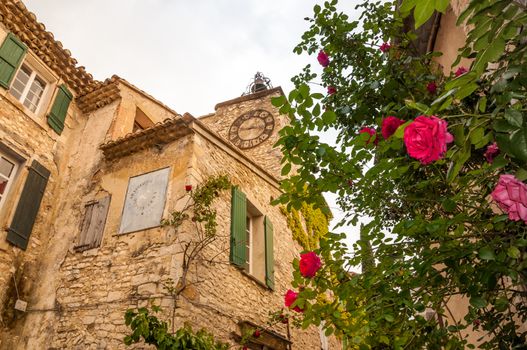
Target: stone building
x=87, y=171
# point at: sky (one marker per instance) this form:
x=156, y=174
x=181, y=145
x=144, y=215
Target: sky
x=188, y=54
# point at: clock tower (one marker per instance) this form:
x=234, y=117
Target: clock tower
x=251, y=123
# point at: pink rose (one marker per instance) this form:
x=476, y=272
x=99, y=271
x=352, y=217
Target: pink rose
x=426, y=138
x=323, y=58
x=309, y=264
x=491, y=152
x=385, y=47
x=511, y=195
x=332, y=90
x=372, y=132
x=460, y=71
x=290, y=298
x=389, y=125
x=431, y=87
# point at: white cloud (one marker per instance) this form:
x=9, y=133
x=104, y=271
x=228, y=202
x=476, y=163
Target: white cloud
x=188, y=54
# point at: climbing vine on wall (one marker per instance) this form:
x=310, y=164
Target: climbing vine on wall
x=316, y=225
x=199, y=211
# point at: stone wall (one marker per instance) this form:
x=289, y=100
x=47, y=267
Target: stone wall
x=450, y=38
x=27, y=135
x=226, y=112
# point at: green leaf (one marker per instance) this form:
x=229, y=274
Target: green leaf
x=278, y=101
x=399, y=133
x=329, y=117
x=513, y=252
x=304, y=90
x=466, y=90
x=441, y=5
x=424, y=9
x=407, y=5
x=389, y=318
x=514, y=117
x=286, y=169
x=519, y=141
x=521, y=174
x=416, y=105
x=449, y=205
x=487, y=253
x=478, y=302
x=476, y=135
x=490, y=54
x=482, y=104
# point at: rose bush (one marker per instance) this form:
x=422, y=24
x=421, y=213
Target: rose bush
x=420, y=200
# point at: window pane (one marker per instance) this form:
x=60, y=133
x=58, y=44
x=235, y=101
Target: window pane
x=35, y=93
x=20, y=82
x=6, y=167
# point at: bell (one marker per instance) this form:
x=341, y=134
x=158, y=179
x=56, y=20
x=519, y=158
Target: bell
x=259, y=85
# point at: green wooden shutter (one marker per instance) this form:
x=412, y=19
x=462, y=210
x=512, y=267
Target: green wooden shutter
x=238, y=227
x=28, y=205
x=11, y=54
x=60, y=107
x=269, y=254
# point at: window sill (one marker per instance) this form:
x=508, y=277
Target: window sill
x=254, y=279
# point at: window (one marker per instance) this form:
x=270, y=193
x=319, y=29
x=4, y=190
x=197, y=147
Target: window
x=8, y=170
x=251, y=239
x=93, y=224
x=28, y=87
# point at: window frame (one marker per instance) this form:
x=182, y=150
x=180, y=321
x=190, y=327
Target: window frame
x=256, y=226
x=12, y=178
x=34, y=76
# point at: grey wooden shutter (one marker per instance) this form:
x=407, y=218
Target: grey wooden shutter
x=93, y=224
x=238, y=227
x=28, y=205
x=269, y=254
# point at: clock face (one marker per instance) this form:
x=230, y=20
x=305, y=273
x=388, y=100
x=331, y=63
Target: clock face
x=251, y=129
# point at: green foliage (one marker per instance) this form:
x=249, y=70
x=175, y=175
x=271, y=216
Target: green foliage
x=316, y=223
x=432, y=231
x=148, y=328
x=200, y=203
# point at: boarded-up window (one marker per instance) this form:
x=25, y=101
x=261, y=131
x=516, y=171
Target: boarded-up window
x=93, y=224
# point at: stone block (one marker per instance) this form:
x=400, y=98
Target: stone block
x=147, y=288
x=115, y=295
